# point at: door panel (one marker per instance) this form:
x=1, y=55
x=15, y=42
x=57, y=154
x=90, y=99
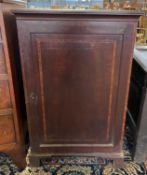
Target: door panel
x=78, y=85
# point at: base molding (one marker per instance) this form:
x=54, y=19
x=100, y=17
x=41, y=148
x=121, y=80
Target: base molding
x=36, y=159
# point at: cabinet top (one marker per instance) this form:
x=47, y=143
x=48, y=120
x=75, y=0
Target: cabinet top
x=36, y=12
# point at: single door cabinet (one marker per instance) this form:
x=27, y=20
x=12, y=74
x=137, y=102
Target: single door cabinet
x=76, y=70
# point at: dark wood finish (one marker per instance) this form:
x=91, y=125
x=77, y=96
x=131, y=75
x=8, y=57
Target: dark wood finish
x=11, y=128
x=137, y=111
x=76, y=68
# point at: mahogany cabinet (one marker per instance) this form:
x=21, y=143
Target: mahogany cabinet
x=76, y=70
x=11, y=128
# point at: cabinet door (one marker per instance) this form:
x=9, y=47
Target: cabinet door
x=75, y=75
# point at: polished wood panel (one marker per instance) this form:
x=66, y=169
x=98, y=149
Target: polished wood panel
x=7, y=133
x=11, y=128
x=5, y=101
x=76, y=69
x=2, y=60
x=67, y=66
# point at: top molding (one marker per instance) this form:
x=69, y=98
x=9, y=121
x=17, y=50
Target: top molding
x=24, y=12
